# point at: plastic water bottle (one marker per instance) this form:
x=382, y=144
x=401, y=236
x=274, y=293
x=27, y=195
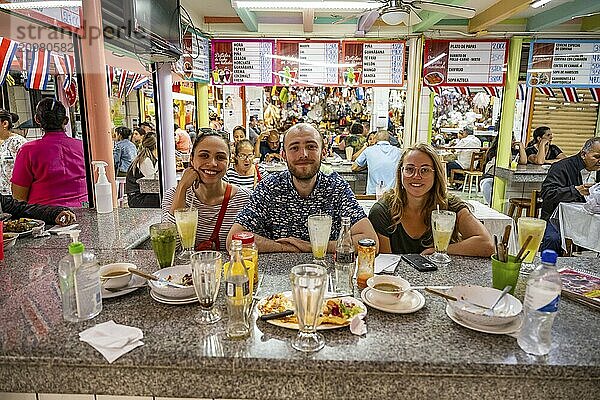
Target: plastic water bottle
x=541, y=304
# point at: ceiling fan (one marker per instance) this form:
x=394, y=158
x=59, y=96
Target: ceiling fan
x=395, y=12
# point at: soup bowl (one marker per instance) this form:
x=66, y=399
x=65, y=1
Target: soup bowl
x=387, y=289
x=115, y=276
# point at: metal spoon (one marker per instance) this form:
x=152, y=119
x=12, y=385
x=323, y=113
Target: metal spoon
x=115, y=290
x=490, y=311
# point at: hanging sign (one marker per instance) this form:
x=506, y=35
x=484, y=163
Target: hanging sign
x=195, y=64
x=564, y=63
x=68, y=18
x=376, y=63
x=307, y=63
x=465, y=63
x=242, y=62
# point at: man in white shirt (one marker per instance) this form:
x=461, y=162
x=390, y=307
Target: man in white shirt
x=381, y=160
x=466, y=141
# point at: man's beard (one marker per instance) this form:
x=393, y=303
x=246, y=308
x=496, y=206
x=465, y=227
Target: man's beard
x=307, y=174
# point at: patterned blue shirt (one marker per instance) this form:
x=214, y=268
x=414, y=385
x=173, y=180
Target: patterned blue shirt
x=276, y=210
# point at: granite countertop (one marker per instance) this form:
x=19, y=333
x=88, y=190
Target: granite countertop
x=523, y=173
x=124, y=228
x=419, y=355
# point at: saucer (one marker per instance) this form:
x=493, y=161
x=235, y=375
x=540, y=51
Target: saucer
x=494, y=330
x=134, y=281
x=411, y=302
x=172, y=301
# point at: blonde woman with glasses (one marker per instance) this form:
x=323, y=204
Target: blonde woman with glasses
x=244, y=173
x=402, y=218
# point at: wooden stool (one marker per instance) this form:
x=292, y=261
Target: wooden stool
x=519, y=204
x=469, y=175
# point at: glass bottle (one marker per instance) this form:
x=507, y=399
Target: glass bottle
x=237, y=292
x=344, y=259
x=249, y=252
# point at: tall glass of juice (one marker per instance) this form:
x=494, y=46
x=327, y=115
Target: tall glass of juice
x=187, y=222
x=163, y=237
x=442, y=226
x=535, y=228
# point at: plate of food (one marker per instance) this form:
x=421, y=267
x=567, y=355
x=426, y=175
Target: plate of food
x=22, y=226
x=434, y=78
x=336, y=313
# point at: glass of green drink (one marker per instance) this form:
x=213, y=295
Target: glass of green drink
x=163, y=237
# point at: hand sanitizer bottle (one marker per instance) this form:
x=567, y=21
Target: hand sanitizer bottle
x=79, y=277
x=103, y=189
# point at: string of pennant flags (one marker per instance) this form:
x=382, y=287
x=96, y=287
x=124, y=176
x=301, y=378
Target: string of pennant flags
x=37, y=63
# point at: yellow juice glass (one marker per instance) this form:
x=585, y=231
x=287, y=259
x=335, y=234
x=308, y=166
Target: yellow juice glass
x=186, y=220
x=531, y=226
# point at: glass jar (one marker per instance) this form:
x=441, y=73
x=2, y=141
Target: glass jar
x=365, y=261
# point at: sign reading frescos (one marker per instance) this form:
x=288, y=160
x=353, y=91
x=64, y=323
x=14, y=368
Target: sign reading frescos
x=376, y=63
x=465, y=63
x=311, y=63
x=564, y=63
x=242, y=62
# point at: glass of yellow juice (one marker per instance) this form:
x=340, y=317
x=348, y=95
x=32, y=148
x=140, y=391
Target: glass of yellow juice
x=186, y=220
x=535, y=228
x=319, y=229
x=442, y=226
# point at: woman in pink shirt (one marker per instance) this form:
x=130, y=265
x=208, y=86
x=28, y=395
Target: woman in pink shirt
x=51, y=170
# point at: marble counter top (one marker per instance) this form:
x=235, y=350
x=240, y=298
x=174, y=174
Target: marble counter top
x=124, y=228
x=523, y=173
x=416, y=355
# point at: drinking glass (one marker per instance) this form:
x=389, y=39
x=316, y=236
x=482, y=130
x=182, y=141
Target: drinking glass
x=442, y=226
x=163, y=237
x=206, y=275
x=535, y=227
x=319, y=229
x=187, y=222
x=308, y=289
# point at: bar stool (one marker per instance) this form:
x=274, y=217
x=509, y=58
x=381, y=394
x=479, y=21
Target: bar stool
x=519, y=204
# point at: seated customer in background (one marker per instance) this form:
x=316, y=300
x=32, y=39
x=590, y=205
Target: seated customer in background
x=541, y=150
x=568, y=181
x=124, y=151
x=244, y=173
x=49, y=214
x=466, y=142
x=202, y=187
x=382, y=162
x=268, y=146
x=282, y=202
x=144, y=165
x=402, y=218
x=51, y=170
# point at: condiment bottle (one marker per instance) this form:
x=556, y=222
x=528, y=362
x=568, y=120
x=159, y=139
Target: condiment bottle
x=249, y=252
x=79, y=277
x=237, y=292
x=366, y=262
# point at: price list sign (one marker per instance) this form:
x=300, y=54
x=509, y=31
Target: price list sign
x=195, y=65
x=564, y=63
x=242, y=62
x=307, y=63
x=376, y=63
x=465, y=63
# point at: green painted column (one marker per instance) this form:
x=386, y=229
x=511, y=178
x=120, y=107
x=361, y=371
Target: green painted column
x=202, y=104
x=430, y=124
x=507, y=118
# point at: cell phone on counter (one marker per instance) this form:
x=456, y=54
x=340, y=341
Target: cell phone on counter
x=419, y=262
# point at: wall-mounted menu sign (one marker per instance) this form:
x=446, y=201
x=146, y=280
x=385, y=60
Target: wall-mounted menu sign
x=307, y=62
x=376, y=63
x=242, y=62
x=195, y=65
x=465, y=63
x=564, y=63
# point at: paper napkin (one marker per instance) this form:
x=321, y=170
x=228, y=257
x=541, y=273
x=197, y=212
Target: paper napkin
x=386, y=262
x=358, y=326
x=112, y=340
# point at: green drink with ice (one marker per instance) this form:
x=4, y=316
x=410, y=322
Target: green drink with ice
x=163, y=238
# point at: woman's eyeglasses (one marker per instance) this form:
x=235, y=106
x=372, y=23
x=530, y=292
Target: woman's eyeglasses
x=245, y=156
x=410, y=171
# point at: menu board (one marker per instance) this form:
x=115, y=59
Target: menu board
x=195, y=69
x=565, y=63
x=376, y=63
x=307, y=63
x=242, y=62
x=465, y=63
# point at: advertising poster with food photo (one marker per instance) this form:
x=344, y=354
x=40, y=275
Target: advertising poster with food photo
x=376, y=63
x=352, y=53
x=242, y=62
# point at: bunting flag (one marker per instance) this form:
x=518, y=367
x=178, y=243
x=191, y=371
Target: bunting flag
x=435, y=89
x=122, y=82
x=70, y=70
x=570, y=94
x=492, y=91
x=595, y=94
x=131, y=85
x=521, y=91
x=141, y=82
x=8, y=48
x=547, y=91
x=110, y=77
x=464, y=90
x=38, y=68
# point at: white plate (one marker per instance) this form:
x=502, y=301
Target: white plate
x=410, y=302
x=176, y=273
x=171, y=301
x=495, y=330
x=135, y=281
x=322, y=327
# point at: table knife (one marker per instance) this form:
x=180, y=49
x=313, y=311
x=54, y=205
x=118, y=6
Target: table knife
x=155, y=278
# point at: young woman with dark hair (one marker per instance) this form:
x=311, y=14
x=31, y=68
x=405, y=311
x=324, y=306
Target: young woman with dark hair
x=144, y=165
x=541, y=150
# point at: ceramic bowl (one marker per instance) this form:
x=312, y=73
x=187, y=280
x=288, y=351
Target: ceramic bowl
x=174, y=274
x=384, y=296
x=9, y=239
x=505, y=312
x=115, y=276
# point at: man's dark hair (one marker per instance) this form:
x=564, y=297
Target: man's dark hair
x=356, y=129
x=51, y=114
x=5, y=115
x=124, y=132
